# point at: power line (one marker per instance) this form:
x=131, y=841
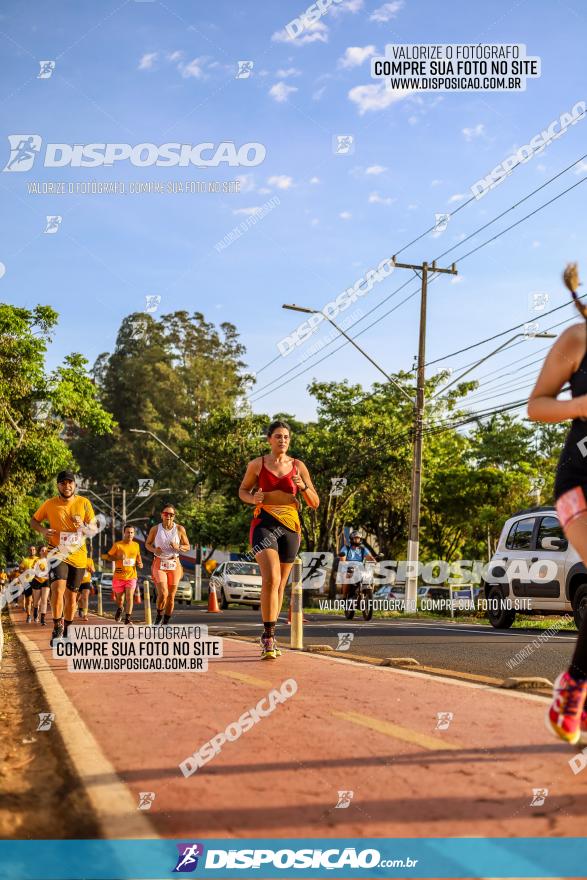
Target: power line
x=257, y=396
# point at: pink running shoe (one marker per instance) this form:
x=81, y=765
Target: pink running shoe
x=564, y=714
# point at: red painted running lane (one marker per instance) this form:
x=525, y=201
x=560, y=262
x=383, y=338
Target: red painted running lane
x=349, y=727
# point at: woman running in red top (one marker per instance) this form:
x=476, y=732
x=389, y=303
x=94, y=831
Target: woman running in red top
x=271, y=483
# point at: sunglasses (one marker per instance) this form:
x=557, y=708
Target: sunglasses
x=167, y=514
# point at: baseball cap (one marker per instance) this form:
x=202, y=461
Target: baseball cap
x=65, y=475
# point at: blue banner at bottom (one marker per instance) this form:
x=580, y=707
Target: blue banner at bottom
x=293, y=857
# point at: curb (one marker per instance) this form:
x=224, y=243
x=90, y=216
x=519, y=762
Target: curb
x=114, y=808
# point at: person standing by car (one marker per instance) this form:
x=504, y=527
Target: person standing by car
x=567, y=362
x=271, y=484
x=355, y=551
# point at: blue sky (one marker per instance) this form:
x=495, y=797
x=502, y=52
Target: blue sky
x=159, y=72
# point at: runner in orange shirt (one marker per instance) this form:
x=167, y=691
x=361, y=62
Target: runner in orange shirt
x=127, y=556
x=68, y=516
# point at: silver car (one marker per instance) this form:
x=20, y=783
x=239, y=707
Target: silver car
x=517, y=577
x=237, y=583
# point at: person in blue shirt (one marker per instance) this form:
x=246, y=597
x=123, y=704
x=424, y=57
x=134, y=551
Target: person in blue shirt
x=354, y=552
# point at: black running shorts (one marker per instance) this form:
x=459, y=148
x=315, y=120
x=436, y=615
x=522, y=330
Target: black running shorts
x=276, y=537
x=68, y=573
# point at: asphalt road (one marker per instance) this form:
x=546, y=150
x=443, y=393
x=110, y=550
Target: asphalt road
x=466, y=647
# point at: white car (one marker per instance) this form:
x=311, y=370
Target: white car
x=238, y=583
x=527, y=539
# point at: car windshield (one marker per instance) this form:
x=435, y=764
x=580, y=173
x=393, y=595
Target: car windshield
x=243, y=568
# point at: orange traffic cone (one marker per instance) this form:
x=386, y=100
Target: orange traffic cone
x=138, y=599
x=213, y=600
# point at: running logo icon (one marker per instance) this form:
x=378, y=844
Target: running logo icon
x=189, y=853
x=343, y=144
x=53, y=224
x=244, y=69
x=47, y=68
x=344, y=800
x=344, y=641
x=46, y=719
x=539, y=795
x=443, y=720
x=23, y=151
x=152, y=303
x=146, y=799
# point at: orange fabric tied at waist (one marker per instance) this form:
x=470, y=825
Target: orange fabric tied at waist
x=287, y=514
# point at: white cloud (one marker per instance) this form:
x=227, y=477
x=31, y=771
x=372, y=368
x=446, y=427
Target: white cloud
x=281, y=181
x=387, y=11
x=192, y=69
x=375, y=169
x=314, y=180
x=354, y=56
x=312, y=33
x=314, y=221
x=536, y=244
x=376, y=199
x=280, y=91
x=247, y=211
x=318, y=93
x=347, y=6
x=456, y=279
x=471, y=133
x=147, y=61
x=458, y=197
x=247, y=182
x=436, y=182
x=288, y=71
x=412, y=120
x=175, y=56
x=376, y=97
x=345, y=215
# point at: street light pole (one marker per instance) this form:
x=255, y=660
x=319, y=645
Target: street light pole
x=168, y=448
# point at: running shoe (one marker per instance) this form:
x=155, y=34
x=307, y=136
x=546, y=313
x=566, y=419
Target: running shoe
x=268, y=648
x=57, y=633
x=35, y=614
x=276, y=648
x=43, y=621
x=128, y=619
x=159, y=617
x=118, y=614
x=583, y=732
x=80, y=612
x=564, y=714
x=28, y=618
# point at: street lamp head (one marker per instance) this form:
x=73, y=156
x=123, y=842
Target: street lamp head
x=295, y=308
x=137, y=431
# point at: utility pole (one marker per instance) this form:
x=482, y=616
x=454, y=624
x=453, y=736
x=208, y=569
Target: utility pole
x=112, y=515
x=123, y=509
x=414, y=526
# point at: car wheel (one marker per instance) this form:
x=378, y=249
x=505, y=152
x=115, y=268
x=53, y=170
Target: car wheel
x=500, y=617
x=223, y=600
x=580, y=605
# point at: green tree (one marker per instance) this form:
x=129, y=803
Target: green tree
x=164, y=376
x=38, y=410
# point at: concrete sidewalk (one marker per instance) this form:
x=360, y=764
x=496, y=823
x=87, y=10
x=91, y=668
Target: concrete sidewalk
x=349, y=727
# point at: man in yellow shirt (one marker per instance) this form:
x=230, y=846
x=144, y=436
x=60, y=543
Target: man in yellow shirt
x=127, y=556
x=83, y=597
x=28, y=562
x=68, y=515
x=40, y=585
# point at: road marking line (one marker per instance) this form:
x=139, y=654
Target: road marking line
x=246, y=679
x=397, y=732
x=111, y=801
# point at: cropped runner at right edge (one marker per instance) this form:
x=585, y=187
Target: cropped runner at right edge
x=567, y=362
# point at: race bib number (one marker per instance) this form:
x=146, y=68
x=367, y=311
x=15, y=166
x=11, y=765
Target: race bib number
x=168, y=565
x=128, y=561
x=69, y=539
